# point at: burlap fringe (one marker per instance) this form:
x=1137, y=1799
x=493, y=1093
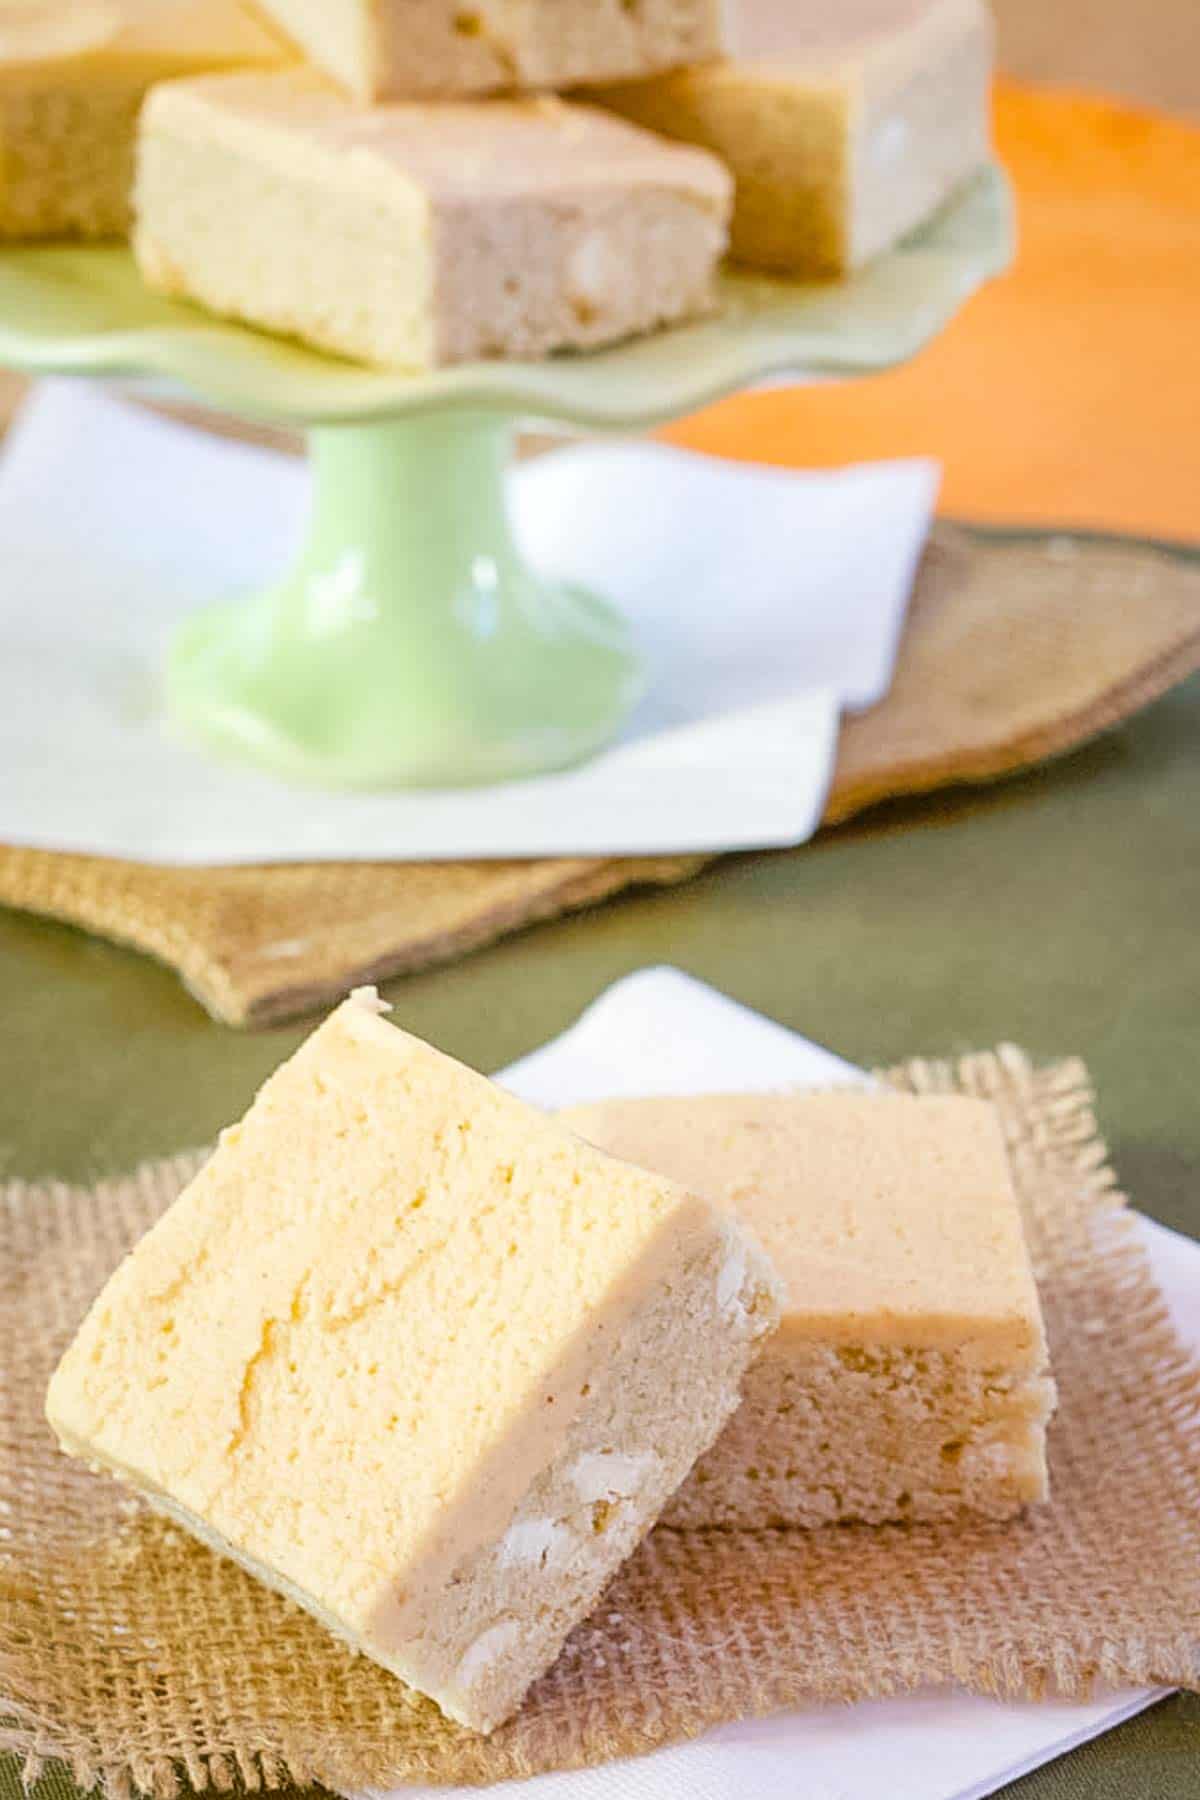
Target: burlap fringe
x=140, y=1660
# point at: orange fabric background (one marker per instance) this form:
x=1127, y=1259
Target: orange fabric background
x=1068, y=392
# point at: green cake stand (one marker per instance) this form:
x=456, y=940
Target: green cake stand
x=411, y=645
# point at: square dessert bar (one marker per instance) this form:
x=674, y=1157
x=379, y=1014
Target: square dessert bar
x=845, y=126
x=417, y=1358
x=412, y=49
x=408, y=236
x=73, y=75
x=909, y=1377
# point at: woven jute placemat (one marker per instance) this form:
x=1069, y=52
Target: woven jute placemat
x=1016, y=650
x=133, y=1653
x=1013, y=652
x=260, y=944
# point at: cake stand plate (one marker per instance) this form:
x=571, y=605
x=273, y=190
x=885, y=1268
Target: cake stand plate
x=411, y=645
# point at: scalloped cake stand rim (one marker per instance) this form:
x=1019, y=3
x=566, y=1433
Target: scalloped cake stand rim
x=81, y=310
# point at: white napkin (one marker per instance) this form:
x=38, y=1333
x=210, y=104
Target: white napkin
x=764, y=601
x=933, y=1746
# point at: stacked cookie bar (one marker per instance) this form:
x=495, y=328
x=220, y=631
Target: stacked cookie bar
x=403, y=183
x=431, y=1364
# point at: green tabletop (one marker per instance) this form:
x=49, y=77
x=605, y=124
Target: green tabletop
x=1060, y=910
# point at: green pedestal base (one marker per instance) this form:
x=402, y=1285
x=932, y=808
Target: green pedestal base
x=411, y=645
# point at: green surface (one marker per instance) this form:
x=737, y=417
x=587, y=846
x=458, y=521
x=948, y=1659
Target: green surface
x=83, y=310
x=410, y=645
x=1060, y=910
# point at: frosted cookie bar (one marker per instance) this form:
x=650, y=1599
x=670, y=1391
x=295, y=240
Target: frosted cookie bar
x=73, y=74
x=417, y=1358
x=909, y=1378
x=409, y=49
x=845, y=126
x=409, y=236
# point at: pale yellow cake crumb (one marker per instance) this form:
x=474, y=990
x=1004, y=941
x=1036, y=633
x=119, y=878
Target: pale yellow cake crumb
x=845, y=126
x=418, y=1358
x=909, y=1377
x=412, y=235
x=73, y=75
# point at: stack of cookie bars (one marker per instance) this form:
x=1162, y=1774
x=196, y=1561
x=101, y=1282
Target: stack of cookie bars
x=402, y=182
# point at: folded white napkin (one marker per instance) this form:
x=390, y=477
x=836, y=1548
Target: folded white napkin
x=934, y=1746
x=764, y=601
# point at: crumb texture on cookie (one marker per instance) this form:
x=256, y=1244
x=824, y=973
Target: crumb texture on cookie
x=845, y=127
x=448, y=232
x=909, y=1377
x=73, y=75
x=418, y=1358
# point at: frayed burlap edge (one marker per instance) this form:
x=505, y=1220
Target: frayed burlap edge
x=256, y=944
x=136, y=1657
x=1016, y=651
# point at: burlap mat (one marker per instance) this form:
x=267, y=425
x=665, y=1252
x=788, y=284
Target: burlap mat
x=132, y=1653
x=1013, y=652
x=258, y=944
